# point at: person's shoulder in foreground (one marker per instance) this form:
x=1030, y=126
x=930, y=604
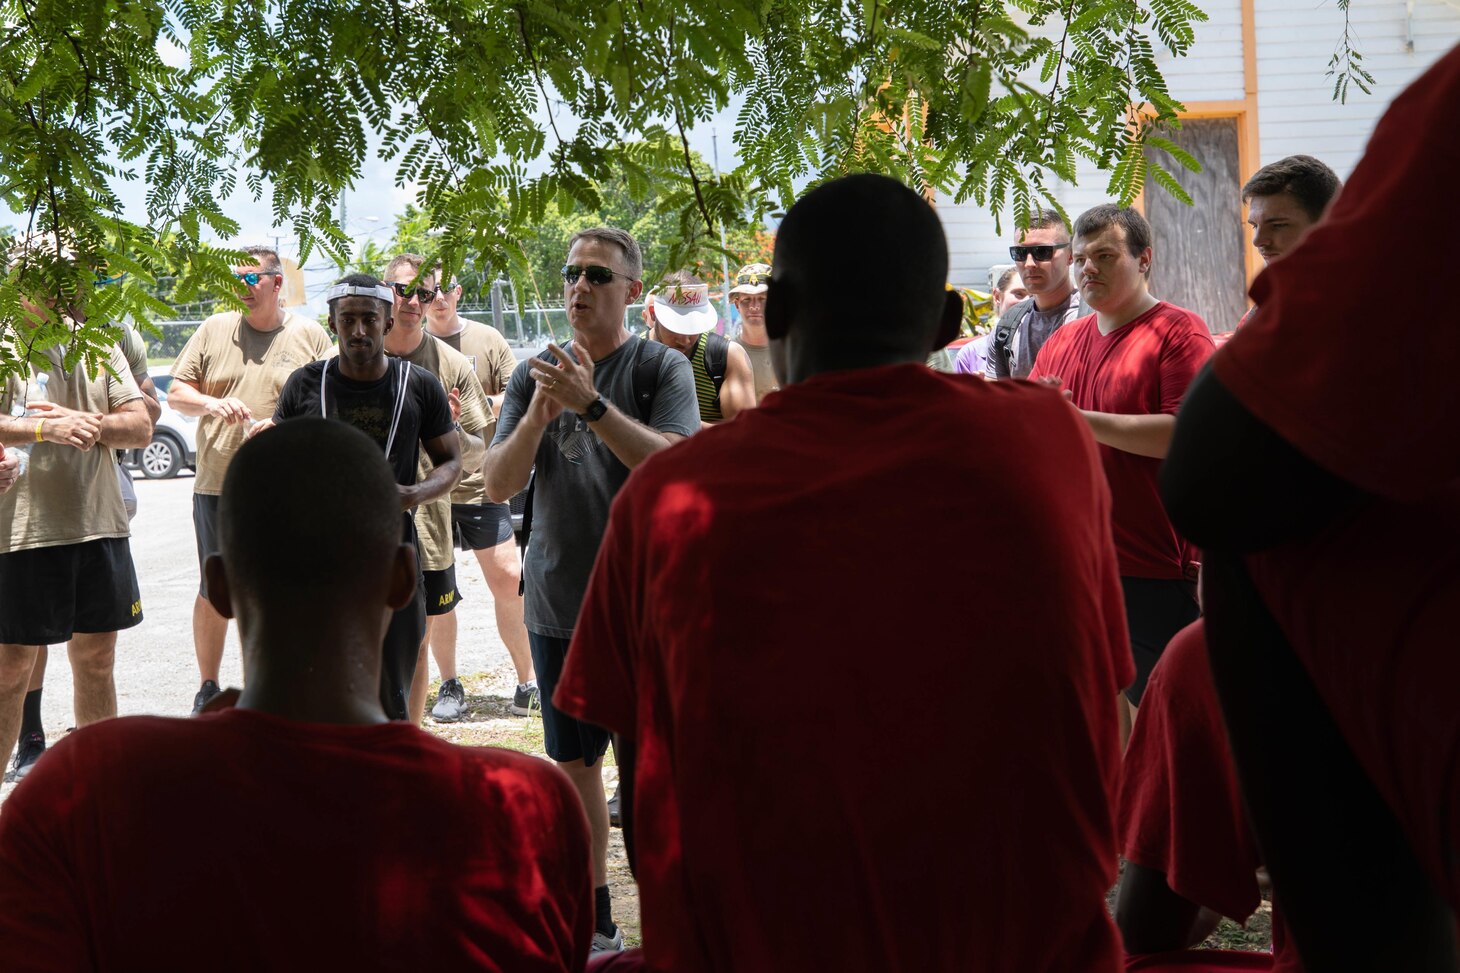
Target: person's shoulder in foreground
x=693, y=628
x=300, y=828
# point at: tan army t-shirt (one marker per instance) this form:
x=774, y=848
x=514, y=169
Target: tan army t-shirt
x=433, y=520
x=491, y=356
x=67, y=496
x=227, y=358
x=761, y=368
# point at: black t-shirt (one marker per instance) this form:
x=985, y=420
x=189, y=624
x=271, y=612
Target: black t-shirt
x=371, y=407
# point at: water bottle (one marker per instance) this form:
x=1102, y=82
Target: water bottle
x=19, y=411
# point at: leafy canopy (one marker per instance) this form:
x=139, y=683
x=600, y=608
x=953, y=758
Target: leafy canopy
x=506, y=112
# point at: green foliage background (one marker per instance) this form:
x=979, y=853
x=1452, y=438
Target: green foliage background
x=515, y=114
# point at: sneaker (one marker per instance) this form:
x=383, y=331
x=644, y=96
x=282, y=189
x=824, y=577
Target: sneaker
x=450, y=702
x=205, y=695
x=32, y=745
x=608, y=944
x=526, y=700
x=615, y=819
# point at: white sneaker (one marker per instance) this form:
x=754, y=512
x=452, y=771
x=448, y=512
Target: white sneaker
x=608, y=944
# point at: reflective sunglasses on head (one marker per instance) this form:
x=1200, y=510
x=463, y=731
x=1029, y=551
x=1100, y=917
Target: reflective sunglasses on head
x=597, y=276
x=754, y=279
x=252, y=278
x=1039, y=251
x=423, y=294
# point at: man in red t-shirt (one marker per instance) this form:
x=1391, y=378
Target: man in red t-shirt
x=1326, y=494
x=298, y=828
x=1189, y=851
x=835, y=832
x=1126, y=367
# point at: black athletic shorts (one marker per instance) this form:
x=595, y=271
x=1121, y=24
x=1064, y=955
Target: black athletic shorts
x=564, y=738
x=48, y=594
x=205, y=532
x=478, y=526
x=1155, y=610
x=441, y=593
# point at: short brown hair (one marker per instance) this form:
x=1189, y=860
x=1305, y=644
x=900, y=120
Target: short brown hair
x=1007, y=275
x=1302, y=177
x=412, y=260
x=633, y=259
x=267, y=258
x=1047, y=219
x=1097, y=218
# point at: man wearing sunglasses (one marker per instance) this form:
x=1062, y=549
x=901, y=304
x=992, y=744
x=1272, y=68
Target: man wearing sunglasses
x=748, y=296
x=1042, y=258
x=229, y=376
x=409, y=340
x=477, y=524
x=580, y=417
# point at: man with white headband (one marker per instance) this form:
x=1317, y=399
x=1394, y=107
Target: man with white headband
x=680, y=315
x=405, y=410
x=228, y=377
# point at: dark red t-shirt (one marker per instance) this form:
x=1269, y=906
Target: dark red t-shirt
x=243, y=841
x=1376, y=405
x=1143, y=368
x=1181, y=808
x=1369, y=605
x=837, y=771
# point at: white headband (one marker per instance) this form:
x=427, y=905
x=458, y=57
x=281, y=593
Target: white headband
x=380, y=292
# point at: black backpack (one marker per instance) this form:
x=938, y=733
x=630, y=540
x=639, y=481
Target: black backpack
x=647, y=357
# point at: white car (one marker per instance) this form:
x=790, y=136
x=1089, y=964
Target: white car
x=174, y=443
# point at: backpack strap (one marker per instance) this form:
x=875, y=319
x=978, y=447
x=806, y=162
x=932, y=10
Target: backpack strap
x=1001, y=345
x=717, y=352
x=646, y=376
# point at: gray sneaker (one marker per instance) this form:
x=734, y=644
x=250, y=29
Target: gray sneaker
x=608, y=944
x=205, y=695
x=526, y=700
x=450, y=702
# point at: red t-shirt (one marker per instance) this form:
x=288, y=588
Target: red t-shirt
x=243, y=841
x=834, y=773
x=1378, y=408
x=1143, y=368
x=1369, y=605
x=1181, y=808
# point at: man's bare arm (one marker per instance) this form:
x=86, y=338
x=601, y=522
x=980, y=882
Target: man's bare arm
x=1143, y=435
x=186, y=399
x=737, y=392
x=445, y=454
x=508, y=465
x=150, y=400
x=127, y=427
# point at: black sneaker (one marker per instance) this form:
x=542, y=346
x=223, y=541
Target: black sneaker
x=205, y=695
x=32, y=745
x=615, y=818
x=450, y=702
x=526, y=700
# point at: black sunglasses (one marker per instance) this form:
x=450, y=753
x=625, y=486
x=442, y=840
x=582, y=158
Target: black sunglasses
x=598, y=276
x=423, y=294
x=1039, y=251
x=252, y=278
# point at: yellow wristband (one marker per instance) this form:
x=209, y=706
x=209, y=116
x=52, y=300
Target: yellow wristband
x=38, y=424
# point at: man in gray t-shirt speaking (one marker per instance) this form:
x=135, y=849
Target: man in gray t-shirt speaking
x=1042, y=257
x=584, y=417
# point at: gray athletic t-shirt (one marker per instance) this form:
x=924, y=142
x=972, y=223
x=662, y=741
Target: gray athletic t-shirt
x=577, y=477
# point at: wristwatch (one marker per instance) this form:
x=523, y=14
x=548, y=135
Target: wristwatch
x=595, y=411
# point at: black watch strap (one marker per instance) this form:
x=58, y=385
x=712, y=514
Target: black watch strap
x=597, y=410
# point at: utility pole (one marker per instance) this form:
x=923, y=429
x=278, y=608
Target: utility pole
x=724, y=260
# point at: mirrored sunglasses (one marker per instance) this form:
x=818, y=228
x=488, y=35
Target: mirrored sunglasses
x=423, y=294
x=252, y=278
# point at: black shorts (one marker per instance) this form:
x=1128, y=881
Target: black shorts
x=441, y=593
x=1155, y=610
x=48, y=594
x=478, y=526
x=564, y=738
x=205, y=532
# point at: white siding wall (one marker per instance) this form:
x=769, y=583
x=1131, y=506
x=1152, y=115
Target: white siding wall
x=1296, y=112
x=1296, y=38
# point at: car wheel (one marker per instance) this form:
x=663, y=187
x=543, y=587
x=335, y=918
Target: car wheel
x=161, y=458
